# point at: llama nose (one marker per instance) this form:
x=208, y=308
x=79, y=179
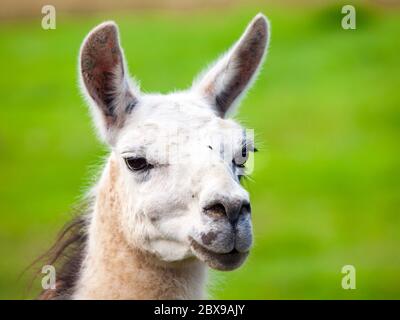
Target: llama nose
x=232, y=210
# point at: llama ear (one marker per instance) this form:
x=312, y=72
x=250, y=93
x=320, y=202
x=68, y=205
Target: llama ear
x=104, y=80
x=227, y=80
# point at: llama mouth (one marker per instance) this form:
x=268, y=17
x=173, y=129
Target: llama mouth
x=219, y=261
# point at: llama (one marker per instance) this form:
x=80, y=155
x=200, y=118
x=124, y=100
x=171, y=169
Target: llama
x=153, y=226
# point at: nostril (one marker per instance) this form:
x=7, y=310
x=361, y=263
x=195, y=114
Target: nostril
x=216, y=209
x=232, y=210
x=236, y=212
x=246, y=209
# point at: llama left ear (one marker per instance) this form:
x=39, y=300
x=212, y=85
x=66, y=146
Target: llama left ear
x=103, y=74
x=229, y=78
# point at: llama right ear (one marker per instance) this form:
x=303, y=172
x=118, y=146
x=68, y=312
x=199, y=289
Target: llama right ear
x=229, y=78
x=104, y=80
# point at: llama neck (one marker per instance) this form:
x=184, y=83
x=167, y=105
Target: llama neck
x=114, y=269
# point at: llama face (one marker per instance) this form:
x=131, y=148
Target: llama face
x=179, y=159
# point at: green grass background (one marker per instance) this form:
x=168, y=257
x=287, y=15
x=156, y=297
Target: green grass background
x=326, y=111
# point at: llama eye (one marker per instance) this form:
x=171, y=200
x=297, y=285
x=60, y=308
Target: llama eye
x=137, y=164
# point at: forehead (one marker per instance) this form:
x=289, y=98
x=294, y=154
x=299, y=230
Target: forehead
x=177, y=118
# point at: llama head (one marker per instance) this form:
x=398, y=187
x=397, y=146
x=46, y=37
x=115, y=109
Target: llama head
x=179, y=158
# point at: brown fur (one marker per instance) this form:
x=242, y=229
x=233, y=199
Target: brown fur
x=66, y=255
x=115, y=269
x=112, y=268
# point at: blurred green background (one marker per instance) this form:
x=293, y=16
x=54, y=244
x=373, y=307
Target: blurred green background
x=326, y=112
